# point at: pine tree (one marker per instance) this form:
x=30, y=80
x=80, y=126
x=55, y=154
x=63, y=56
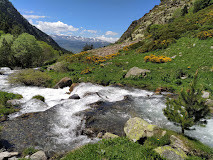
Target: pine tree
x=189, y=109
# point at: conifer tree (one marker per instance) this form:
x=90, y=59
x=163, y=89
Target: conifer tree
x=189, y=109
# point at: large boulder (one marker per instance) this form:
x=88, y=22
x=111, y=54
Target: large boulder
x=6, y=155
x=137, y=128
x=135, y=71
x=40, y=155
x=64, y=82
x=170, y=153
x=178, y=143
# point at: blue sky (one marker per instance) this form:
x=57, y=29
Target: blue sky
x=105, y=19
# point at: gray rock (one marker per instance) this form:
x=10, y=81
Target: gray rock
x=75, y=96
x=109, y=136
x=171, y=153
x=135, y=71
x=4, y=155
x=14, y=102
x=177, y=143
x=206, y=95
x=40, y=155
x=13, y=158
x=209, y=103
x=64, y=82
x=211, y=47
x=137, y=128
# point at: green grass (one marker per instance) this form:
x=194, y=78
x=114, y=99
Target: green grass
x=119, y=148
x=166, y=75
x=122, y=148
x=29, y=151
x=6, y=109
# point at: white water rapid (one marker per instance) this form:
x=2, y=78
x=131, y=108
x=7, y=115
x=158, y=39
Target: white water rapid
x=147, y=105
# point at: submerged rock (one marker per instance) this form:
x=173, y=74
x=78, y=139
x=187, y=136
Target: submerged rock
x=75, y=96
x=135, y=71
x=64, y=82
x=137, y=128
x=107, y=117
x=171, y=153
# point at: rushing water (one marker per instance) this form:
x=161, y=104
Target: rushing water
x=146, y=104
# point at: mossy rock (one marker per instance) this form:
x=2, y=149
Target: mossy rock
x=171, y=153
x=137, y=128
x=109, y=136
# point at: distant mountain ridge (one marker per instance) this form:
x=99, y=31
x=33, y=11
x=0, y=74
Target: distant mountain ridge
x=76, y=43
x=11, y=21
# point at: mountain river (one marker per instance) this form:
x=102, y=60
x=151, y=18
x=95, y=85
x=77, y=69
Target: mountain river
x=66, y=121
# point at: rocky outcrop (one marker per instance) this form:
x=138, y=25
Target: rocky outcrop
x=135, y=71
x=160, y=14
x=171, y=153
x=137, y=128
x=64, y=82
x=40, y=155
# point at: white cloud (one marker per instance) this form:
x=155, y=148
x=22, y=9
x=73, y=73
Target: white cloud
x=90, y=31
x=29, y=12
x=110, y=33
x=55, y=27
x=33, y=16
x=108, y=39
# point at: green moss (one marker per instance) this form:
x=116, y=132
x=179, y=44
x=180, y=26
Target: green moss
x=39, y=97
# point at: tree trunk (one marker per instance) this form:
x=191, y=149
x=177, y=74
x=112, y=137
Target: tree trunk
x=182, y=130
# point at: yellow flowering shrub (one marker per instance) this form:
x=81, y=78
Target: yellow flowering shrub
x=157, y=59
x=205, y=34
x=78, y=56
x=86, y=71
x=100, y=59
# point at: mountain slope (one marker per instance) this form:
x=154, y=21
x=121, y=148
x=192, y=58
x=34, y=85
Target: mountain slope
x=160, y=14
x=76, y=44
x=11, y=21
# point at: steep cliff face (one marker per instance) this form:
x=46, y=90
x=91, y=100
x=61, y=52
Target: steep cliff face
x=160, y=14
x=11, y=21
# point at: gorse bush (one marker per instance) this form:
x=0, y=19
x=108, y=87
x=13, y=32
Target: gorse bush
x=205, y=34
x=157, y=59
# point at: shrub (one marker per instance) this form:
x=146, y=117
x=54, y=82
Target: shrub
x=201, y=4
x=30, y=77
x=39, y=97
x=157, y=59
x=76, y=57
x=86, y=71
x=5, y=109
x=205, y=34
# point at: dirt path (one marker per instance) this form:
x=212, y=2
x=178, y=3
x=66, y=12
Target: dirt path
x=111, y=49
